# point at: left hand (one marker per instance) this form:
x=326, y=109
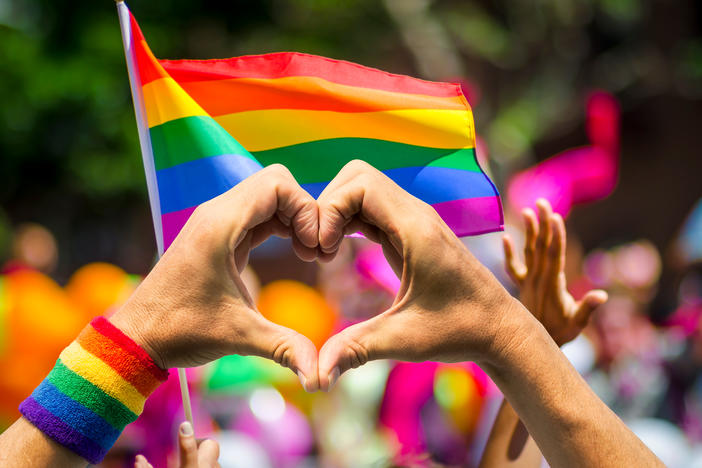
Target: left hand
x=194, y=308
x=541, y=279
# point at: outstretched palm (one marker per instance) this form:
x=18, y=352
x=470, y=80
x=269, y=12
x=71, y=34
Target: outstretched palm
x=541, y=278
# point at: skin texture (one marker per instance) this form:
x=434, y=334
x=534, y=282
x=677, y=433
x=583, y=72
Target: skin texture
x=542, y=290
x=193, y=307
x=450, y=308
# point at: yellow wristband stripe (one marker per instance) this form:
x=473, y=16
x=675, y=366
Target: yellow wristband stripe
x=91, y=368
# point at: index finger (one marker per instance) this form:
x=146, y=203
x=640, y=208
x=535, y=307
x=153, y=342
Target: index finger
x=360, y=190
x=272, y=191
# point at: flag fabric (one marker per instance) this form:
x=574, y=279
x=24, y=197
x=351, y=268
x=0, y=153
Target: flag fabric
x=212, y=123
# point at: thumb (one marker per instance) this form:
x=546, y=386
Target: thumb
x=591, y=301
x=187, y=446
x=208, y=454
x=289, y=349
x=350, y=348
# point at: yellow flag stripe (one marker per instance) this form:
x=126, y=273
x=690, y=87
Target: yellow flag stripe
x=269, y=129
x=165, y=100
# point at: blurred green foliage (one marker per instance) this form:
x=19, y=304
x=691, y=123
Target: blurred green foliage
x=66, y=121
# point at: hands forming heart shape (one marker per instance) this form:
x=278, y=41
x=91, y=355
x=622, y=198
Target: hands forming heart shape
x=193, y=307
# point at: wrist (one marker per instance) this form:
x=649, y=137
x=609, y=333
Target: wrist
x=98, y=385
x=135, y=323
x=511, y=335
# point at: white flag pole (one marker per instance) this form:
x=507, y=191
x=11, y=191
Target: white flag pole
x=148, y=158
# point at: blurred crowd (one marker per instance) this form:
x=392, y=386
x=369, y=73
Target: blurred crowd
x=69, y=159
x=641, y=353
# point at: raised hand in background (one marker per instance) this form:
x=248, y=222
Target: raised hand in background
x=542, y=289
x=541, y=278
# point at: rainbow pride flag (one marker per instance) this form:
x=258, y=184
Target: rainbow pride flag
x=205, y=125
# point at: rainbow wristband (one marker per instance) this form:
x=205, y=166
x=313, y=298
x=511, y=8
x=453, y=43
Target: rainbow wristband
x=98, y=385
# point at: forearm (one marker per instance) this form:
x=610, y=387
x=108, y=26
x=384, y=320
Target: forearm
x=509, y=444
x=23, y=445
x=571, y=426
x=98, y=385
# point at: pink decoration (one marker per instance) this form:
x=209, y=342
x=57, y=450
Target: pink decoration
x=154, y=434
x=578, y=175
x=372, y=265
x=409, y=387
x=286, y=440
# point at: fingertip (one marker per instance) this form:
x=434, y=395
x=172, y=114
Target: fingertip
x=545, y=211
x=292, y=350
x=328, y=364
x=303, y=252
x=597, y=297
x=332, y=378
x=140, y=462
x=305, y=364
x=329, y=237
x=530, y=223
x=326, y=257
x=543, y=203
x=186, y=429
x=187, y=443
x=306, y=226
x=208, y=453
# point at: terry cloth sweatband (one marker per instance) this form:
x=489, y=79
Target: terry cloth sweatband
x=98, y=385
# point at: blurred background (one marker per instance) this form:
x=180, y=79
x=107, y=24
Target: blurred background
x=593, y=104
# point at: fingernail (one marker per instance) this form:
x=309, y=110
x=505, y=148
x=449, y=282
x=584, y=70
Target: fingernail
x=333, y=376
x=303, y=380
x=186, y=429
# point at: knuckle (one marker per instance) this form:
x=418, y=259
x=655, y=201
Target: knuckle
x=357, y=353
x=203, y=219
x=357, y=167
x=365, y=179
x=277, y=173
x=283, y=353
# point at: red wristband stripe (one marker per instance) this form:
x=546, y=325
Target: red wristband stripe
x=98, y=385
x=104, y=327
x=125, y=364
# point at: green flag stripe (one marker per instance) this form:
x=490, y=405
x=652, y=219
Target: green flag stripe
x=320, y=161
x=191, y=138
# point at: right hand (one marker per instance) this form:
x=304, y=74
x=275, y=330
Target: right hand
x=449, y=307
x=194, y=308
x=541, y=279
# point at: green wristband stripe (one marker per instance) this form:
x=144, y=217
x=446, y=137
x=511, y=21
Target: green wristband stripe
x=76, y=387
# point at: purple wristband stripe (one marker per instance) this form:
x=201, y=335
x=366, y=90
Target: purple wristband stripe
x=93, y=392
x=76, y=415
x=61, y=432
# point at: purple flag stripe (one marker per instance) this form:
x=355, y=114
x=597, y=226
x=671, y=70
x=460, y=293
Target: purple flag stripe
x=472, y=216
x=467, y=217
